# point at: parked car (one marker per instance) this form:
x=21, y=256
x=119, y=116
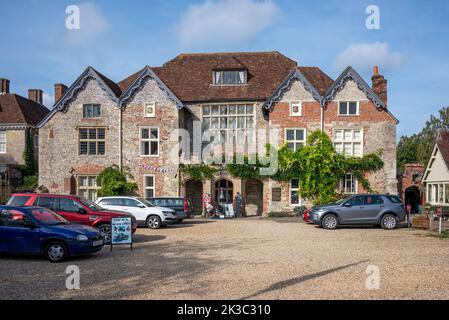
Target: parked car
x=372, y=209
x=182, y=206
x=40, y=231
x=74, y=209
x=144, y=211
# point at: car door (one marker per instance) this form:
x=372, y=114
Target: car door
x=352, y=210
x=15, y=234
x=374, y=204
x=73, y=211
x=135, y=208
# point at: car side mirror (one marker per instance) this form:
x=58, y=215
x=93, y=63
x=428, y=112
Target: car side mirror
x=31, y=225
x=141, y=205
x=82, y=210
x=347, y=205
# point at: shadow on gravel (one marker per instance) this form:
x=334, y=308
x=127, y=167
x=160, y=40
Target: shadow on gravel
x=287, y=283
x=144, y=238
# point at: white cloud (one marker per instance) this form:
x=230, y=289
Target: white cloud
x=225, y=21
x=92, y=24
x=48, y=100
x=363, y=56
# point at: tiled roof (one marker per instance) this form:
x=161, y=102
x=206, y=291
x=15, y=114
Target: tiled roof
x=317, y=78
x=15, y=109
x=443, y=145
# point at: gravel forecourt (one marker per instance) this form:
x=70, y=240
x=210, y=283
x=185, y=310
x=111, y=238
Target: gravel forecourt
x=244, y=259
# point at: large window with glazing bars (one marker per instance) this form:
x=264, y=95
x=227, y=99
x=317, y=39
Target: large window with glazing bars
x=228, y=121
x=92, y=141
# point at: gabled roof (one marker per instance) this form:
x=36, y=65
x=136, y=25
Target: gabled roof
x=189, y=76
x=15, y=109
x=350, y=74
x=147, y=72
x=310, y=77
x=443, y=145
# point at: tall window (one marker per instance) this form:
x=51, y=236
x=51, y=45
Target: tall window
x=348, y=184
x=348, y=142
x=438, y=194
x=294, y=193
x=2, y=141
x=228, y=121
x=346, y=108
x=92, y=141
x=149, y=141
x=87, y=187
x=91, y=111
x=232, y=77
x=149, y=186
x=295, y=138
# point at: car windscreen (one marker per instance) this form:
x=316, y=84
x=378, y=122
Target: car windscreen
x=47, y=217
x=91, y=205
x=146, y=202
x=394, y=199
x=18, y=201
x=174, y=202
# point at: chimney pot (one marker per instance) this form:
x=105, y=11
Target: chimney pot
x=4, y=86
x=380, y=85
x=60, y=89
x=35, y=95
x=376, y=70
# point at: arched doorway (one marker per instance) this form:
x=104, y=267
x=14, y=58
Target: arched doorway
x=254, y=198
x=194, y=192
x=224, y=194
x=413, y=197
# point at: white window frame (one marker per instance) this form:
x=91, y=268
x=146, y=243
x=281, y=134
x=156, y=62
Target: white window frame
x=343, y=186
x=434, y=195
x=88, y=140
x=295, y=141
x=92, y=105
x=145, y=106
x=145, y=187
x=347, y=102
x=3, y=143
x=290, y=194
x=352, y=141
x=294, y=103
x=221, y=72
x=149, y=140
x=88, y=187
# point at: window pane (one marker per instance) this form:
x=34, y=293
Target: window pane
x=295, y=183
x=447, y=193
x=241, y=122
x=223, y=123
x=348, y=149
x=215, y=110
x=83, y=147
x=149, y=181
x=348, y=135
x=145, y=134
x=145, y=148
x=353, y=108
x=92, y=148
x=294, y=197
x=232, y=123
x=339, y=147
x=290, y=135
x=343, y=108
x=97, y=111
x=356, y=201
x=223, y=110
x=357, y=135
x=338, y=135
x=101, y=134
x=101, y=148
x=154, y=148
x=232, y=109
x=300, y=135
x=149, y=193
x=83, y=133
x=241, y=109
x=92, y=133
x=249, y=122
x=215, y=123
x=249, y=109
x=291, y=146
x=154, y=133
x=206, y=110
x=357, y=149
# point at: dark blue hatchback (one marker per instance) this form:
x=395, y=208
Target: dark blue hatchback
x=40, y=231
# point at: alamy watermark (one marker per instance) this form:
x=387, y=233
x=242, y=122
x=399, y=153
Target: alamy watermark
x=73, y=22
x=373, y=280
x=372, y=22
x=73, y=280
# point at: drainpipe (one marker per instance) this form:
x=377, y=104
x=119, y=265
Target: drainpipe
x=120, y=137
x=322, y=114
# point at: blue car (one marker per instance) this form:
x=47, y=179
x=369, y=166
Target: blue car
x=40, y=231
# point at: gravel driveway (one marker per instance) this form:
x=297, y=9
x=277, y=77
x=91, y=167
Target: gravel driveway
x=245, y=259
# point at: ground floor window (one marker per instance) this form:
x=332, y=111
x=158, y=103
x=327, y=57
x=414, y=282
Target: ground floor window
x=348, y=184
x=294, y=192
x=88, y=187
x=149, y=186
x=438, y=194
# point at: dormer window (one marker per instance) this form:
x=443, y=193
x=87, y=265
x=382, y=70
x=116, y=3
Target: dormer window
x=230, y=77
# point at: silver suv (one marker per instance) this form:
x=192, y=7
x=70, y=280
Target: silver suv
x=370, y=209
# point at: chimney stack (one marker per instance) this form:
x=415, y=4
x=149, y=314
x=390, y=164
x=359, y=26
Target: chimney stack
x=60, y=89
x=4, y=86
x=35, y=95
x=380, y=85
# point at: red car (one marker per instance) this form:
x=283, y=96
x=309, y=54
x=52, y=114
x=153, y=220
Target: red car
x=74, y=209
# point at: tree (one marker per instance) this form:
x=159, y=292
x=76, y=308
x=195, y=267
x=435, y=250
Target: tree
x=28, y=155
x=407, y=151
x=114, y=182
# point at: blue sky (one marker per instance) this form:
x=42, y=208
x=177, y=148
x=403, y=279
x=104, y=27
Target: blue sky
x=119, y=37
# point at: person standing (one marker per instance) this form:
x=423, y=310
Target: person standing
x=238, y=202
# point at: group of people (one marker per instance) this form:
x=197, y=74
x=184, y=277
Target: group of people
x=222, y=210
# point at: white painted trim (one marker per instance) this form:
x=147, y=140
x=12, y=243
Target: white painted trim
x=145, y=187
x=149, y=140
x=362, y=141
x=290, y=190
x=295, y=141
x=145, y=115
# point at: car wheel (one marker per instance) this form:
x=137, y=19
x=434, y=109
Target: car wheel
x=154, y=222
x=389, y=222
x=329, y=222
x=105, y=230
x=56, y=252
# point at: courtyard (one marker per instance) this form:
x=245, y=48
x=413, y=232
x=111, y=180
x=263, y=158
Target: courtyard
x=244, y=259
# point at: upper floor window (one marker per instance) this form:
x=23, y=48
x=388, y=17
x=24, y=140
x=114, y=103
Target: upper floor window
x=91, y=111
x=348, y=142
x=347, y=108
x=92, y=141
x=230, y=77
x=295, y=138
x=149, y=142
x=2, y=141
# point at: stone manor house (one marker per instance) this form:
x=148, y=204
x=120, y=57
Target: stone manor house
x=97, y=122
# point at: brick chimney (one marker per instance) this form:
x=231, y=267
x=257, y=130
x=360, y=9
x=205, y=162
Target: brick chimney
x=60, y=89
x=380, y=85
x=35, y=95
x=4, y=86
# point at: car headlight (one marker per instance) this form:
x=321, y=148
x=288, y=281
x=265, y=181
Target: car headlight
x=167, y=213
x=82, y=238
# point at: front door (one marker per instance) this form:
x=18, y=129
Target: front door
x=224, y=196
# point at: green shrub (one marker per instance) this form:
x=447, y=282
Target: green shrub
x=299, y=211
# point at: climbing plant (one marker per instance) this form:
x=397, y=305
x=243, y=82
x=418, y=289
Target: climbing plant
x=114, y=182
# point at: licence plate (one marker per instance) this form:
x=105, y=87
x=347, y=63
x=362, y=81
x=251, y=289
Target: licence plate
x=97, y=243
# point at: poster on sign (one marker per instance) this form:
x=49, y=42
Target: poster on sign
x=121, y=232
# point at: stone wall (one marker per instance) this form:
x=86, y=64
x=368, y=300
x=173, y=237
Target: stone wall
x=15, y=147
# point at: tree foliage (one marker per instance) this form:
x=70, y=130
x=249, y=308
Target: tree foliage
x=198, y=172
x=28, y=155
x=114, y=182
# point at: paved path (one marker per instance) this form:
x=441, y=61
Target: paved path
x=250, y=259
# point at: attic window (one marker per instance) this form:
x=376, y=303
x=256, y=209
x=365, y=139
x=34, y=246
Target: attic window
x=234, y=77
